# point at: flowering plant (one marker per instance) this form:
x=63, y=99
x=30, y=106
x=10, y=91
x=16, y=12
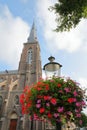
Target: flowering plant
x=57, y=99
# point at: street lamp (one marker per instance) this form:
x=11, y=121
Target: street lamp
x=52, y=68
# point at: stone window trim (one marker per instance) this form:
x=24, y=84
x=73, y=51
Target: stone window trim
x=16, y=99
x=29, y=55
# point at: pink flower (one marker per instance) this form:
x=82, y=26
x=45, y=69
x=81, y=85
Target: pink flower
x=39, y=101
x=60, y=109
x=78, y=104
x=76, y=110
x=67, y=90
x=35, y=117
x=83, y=103
x=47, y=104
x=38, y=105
x=56, y=115
x=74, y=99
x=75, y=93
x=78, y=115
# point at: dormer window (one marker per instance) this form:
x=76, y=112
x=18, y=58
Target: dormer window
x=29, y=59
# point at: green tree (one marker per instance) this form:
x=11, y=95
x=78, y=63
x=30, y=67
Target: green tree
x=69, y=13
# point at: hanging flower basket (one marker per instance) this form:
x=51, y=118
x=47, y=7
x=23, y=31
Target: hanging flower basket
x=57, y=99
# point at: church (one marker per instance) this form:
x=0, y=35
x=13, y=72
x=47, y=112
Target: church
x=12, y=83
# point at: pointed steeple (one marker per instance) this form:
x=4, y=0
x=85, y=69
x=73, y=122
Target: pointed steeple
x=33, y=36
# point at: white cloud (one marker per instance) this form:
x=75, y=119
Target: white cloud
x=83, y=82
x=70, y=41
x=13, y=32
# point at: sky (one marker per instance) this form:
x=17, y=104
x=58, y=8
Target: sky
x=68, y=48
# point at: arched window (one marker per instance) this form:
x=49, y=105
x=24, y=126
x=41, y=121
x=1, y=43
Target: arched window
x=1, y=101
x=16, y=99
x=29, y=58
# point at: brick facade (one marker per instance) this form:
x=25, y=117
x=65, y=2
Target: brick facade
x=12, y=84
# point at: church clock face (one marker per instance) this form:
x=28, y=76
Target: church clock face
x=29, y=56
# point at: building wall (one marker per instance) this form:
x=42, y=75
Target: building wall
x=9, y=96
x=12, y=84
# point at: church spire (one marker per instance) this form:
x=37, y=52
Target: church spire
x=33, y=36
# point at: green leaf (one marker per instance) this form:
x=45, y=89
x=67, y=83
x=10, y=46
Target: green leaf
x=69, y=13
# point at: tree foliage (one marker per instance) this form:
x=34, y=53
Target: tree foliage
x=69, y=13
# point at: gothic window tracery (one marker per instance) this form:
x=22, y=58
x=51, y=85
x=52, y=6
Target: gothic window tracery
x=16, y=99
x=29, y=59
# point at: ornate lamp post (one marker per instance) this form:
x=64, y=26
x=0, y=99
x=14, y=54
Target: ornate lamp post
x=53, y=69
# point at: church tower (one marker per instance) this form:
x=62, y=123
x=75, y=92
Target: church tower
x=12, y=83
x=30, y=61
